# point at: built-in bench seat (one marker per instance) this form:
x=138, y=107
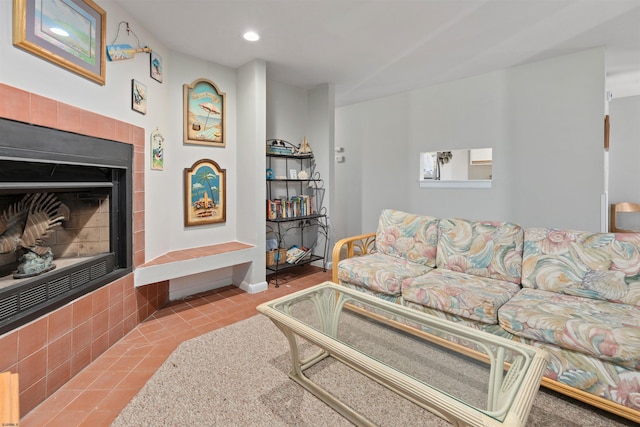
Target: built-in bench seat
x=185, y=262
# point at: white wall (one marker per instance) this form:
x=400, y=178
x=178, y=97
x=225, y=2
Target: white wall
x=185, y=70
x=624, y=155
x=164, y=193
x=543, y=121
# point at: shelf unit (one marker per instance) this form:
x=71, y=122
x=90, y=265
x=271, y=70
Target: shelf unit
x=295, y=214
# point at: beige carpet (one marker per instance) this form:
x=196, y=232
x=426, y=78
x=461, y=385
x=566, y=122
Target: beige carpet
x=237, y=376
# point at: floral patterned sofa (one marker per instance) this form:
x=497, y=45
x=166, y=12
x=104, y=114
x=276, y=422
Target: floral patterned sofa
x=576, y=294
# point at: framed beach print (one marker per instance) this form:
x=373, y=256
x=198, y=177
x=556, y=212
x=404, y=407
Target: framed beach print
x=138, y=97
x=204, y=114
x=68, y=33
x=205, y=187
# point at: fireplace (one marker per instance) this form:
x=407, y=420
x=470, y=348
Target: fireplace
x=92, y=246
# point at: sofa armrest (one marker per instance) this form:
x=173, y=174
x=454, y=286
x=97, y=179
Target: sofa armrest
x=350, y=247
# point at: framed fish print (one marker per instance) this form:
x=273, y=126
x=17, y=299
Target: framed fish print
x=204, y=114
x=205, y=188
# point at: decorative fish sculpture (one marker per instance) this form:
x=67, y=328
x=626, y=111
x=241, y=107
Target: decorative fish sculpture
x=27, y=222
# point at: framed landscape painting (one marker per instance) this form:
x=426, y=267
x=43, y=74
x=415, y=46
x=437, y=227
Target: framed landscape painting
x=204, y=114
x=205, y=189
x=68, y=33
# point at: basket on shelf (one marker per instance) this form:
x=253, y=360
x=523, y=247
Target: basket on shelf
x=276, y=257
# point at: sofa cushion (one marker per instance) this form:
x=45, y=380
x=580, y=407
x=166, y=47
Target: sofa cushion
x=409, y=236
x=379, y=272
x=602, y=329
x=604, y=266
x=481, y=248
x=461, y=294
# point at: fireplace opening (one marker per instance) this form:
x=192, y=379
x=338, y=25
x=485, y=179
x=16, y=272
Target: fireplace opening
x=88, y=183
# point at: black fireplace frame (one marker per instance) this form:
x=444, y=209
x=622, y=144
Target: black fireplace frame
x=61, y=150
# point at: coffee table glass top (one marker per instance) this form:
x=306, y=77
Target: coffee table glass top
x=478, y=369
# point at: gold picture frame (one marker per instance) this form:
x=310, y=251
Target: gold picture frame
x=204, y=114
x=205, y=193
x=71, y=36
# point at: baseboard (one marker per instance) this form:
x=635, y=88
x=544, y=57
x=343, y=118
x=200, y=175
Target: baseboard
x=253, y=288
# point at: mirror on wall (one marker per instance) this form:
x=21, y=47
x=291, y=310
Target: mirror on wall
x=457, y=165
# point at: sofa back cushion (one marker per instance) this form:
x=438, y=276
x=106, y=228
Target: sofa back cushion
x=409, y=236
x=481, y=248
x=604, y=266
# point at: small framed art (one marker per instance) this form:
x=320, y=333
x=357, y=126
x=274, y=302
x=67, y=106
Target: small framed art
x=157, y=150
x=138, y=97
x=156, y=66
x=205, y=193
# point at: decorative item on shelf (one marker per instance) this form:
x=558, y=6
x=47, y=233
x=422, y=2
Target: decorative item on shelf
x=276, y=257
x=270, y=175
x=275, y=254
x=70, y=34
x=303, y=175
x=444, y=157
x=120, y=52
x=205, y=193
x=138, y=97
x=304, y=148
x=157, y=150
x=204, y=114
x=279, y=146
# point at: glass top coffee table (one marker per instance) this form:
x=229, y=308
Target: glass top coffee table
x=461, y=374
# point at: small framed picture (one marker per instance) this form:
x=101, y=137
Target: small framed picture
x=138, y=97
x=156, y=66
x=293, y=174
x=157, y=150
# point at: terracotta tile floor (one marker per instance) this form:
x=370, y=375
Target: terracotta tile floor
x=96, y=395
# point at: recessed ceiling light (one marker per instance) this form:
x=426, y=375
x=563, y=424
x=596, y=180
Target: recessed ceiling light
x=251, y=36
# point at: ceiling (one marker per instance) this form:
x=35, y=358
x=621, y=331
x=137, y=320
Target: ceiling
x=369, y=49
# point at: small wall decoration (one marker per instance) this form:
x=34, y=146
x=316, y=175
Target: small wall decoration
x=69, y=33
x=205, y=193
x=138, y=97
x=124, y=51
x=157, y=150
x=156, y=66
x=204, y=109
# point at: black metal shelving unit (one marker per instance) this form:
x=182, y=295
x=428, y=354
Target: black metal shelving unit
x=296, y=227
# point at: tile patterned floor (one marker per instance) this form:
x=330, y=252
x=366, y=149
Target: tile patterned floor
x=96, y=395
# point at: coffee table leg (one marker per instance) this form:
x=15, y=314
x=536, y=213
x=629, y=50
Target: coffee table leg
x=297, y=374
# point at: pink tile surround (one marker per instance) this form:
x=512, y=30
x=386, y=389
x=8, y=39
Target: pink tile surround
x=51, y=350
